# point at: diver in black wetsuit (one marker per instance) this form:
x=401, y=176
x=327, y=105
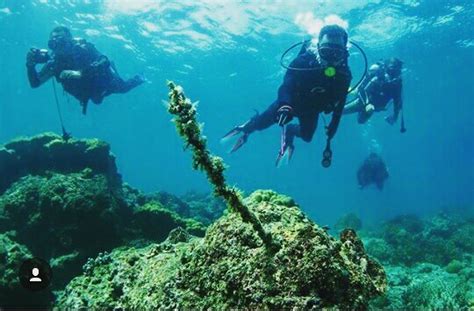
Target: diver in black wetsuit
x=372, y=171
x=82, y=70
x=316, y=82
x=383, y=84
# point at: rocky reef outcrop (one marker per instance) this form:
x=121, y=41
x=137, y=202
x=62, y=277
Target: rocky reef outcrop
x=64, y=202
x=408, y=239
x=429, y=261
x=48, y=152
x=230, y=268
x=202, y=207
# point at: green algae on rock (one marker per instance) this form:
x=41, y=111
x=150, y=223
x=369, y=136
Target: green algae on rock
x=68, y=204
x=204, y=207
x=64, y=215
x=49, y=152
x=147, y=216
x=230, y=268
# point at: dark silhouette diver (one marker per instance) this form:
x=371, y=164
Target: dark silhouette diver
x=317, y=81
x=372, y=171
x=382, y=85
x=82, y=70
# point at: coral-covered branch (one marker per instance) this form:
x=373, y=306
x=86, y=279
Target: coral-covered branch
x=189, y=129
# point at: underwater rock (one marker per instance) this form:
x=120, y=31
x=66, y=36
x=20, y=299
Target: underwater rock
x=231, y=268
x=66, y=202
x=59, y=215
x=204, y=208
x=12, y=294
x=154, y=221
x=348, y=221
x=49, y=152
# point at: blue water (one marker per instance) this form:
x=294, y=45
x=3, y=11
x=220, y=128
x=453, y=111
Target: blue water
x=226, y=55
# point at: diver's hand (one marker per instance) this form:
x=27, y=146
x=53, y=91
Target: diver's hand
x=369, y=108
x=30, y=58
x=390, y=120
x=70, y=74
x=284, y=115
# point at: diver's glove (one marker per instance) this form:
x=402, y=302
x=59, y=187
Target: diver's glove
x=390, y=120
x=284, y=115
x=70, y=75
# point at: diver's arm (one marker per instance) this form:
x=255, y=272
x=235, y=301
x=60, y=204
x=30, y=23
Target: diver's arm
x=35, y=78
x=366, y=89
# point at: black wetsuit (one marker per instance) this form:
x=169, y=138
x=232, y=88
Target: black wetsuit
x=378, y=91
x=372, y=171
x=308, y=93
x=99, y=77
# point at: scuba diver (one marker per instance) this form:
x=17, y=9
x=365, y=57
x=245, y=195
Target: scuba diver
x=372, y=171
x=315, y=82
x=382, y=85
x=82, y=70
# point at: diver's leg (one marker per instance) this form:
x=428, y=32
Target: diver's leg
x=267, y=118
x=304, y=130
x=257, y=123
x=307, y=126
x=119, y=86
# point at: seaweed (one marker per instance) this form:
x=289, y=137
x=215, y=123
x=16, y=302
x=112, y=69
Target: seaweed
x=190, y=130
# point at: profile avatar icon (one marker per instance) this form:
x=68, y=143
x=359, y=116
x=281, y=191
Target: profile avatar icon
x=35, y=274
x=35, y=278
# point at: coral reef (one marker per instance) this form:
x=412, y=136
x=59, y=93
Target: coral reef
x=407, y=240
x=429, y=262
x=426, y=287
x=190, y=130
x=229, y=268
x=68, y=204
x=49, y=152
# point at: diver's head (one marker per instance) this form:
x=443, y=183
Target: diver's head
x=376, y=70
x=393, y=67
x=332, y=43
x=60, y=39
